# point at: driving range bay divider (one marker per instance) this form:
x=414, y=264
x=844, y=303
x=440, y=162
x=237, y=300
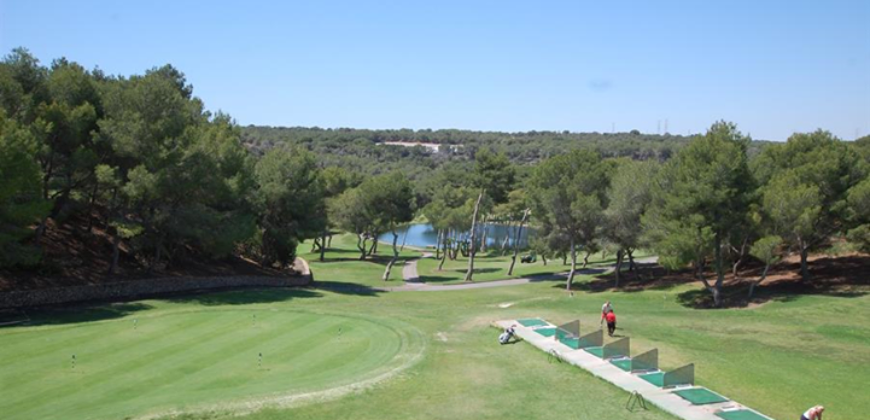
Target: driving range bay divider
x=673, y=391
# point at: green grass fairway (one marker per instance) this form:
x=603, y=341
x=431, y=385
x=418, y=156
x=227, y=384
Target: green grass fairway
x=779, y=358
x=185, y=359
x=700, y=396
x=342, y=264
x=494, y=266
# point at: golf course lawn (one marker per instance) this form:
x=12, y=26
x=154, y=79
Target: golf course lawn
x=163, y=356
x=429, y=355
x=494, y=266
x=342, y=263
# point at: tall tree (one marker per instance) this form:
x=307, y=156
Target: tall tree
x=813, y=172
x=391, y=199
x=568, y=197
x=289, y=200
x=698, y=199
x=21, y=202
x=629, y=195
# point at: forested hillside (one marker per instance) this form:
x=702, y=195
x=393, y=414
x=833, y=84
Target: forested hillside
x=104, y=175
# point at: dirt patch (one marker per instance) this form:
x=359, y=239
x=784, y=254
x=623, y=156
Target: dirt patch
x=74, y=255
x=844, y=276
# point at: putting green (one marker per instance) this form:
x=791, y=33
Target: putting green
x=700, y=396
x=533, y=322
x=624, y=364
x=187, y=360
x=546, y=332
x=655, y=378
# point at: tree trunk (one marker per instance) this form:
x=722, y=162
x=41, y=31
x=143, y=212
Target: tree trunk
x=361, y=239
x=573, y=266
x=404, y=238
x=395, y=256
x=805, y=269
x=740, y=256
x=565, y=259
x=619, y=255
x=323, y=246
x=631, y=265
x=374, y=248
x=483, y=235
x=720, y=272
x=755, y=283
x=517, y=242
x=586, y=259
x=444, y=252
x=470, y=273
x=91, y=206
x=314, y=244
x=507, y=237
x=329, y=241
x=116, y=252
x=544, y=259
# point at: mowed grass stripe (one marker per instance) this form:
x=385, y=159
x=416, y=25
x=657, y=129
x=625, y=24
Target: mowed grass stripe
x=118, y=367
x=240, y=357
x=281, y=359
x=87, y=351
x=165, y=373
x=328, y=361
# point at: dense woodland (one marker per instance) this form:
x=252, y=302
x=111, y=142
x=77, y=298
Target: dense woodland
x=140, y=164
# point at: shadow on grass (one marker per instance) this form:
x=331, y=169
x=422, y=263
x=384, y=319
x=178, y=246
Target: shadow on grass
x=245, y=297
x=845, y=277
x=69, y=314
x=354, y=289
x=480, y=270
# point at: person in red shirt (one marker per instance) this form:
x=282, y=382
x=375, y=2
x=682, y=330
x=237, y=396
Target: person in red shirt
x=611, y=323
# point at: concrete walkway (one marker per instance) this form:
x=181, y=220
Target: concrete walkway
x=409, y=271
x=662, y=398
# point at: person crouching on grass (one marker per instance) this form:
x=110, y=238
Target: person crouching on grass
x=611, y=323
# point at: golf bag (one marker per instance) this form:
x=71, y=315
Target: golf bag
x=506, y=336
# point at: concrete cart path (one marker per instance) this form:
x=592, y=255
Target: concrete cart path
x=409, y=271
x=603, y=369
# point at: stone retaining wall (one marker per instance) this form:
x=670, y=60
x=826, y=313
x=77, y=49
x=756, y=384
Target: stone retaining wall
x=143, y=288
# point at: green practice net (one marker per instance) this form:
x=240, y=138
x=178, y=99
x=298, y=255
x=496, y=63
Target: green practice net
x=532, y=322
x=700, y=396
x=741, y=415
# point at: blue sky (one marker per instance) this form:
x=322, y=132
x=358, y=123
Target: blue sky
x=773, y=67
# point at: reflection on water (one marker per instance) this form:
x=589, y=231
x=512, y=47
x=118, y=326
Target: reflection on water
x=422, y=235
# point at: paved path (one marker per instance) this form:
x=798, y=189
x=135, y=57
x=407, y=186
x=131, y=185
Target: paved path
x=603, y=369
x=409, y=272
